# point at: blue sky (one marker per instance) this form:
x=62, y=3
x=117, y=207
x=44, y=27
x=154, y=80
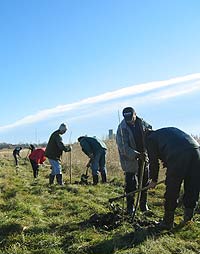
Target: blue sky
x=82, y=61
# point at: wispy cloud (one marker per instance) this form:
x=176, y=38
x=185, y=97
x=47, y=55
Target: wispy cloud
x=182, y=85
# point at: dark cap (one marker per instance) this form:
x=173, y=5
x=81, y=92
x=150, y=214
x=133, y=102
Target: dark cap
x=128, y=113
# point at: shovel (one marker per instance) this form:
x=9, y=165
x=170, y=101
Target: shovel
x=84, y=177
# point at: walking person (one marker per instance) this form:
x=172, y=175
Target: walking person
x=133, y=156
x=37, y=158
x=53, y=152
x=95, y=149
x=16, y=154
x=180, y=154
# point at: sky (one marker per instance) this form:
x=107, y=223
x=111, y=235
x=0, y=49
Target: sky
x=82, y=61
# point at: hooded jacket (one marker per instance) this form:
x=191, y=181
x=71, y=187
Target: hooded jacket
x=127, y=146
x=55, y=146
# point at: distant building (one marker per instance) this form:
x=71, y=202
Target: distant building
x=111, y=135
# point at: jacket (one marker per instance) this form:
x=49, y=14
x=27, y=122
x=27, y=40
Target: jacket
x=169, y=145
x=91, y=146
x=55, y=146
x=127, y=146
x=37, y=155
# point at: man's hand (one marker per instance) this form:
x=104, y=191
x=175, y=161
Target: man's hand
x=91, y=156
x=152, y=185
x=68, y=148
x=88, y=164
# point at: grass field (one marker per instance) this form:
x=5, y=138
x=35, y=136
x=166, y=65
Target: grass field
x=75, y=218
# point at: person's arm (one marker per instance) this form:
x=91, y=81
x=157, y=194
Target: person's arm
x=153, y=160
x=61, y=145
x=123, y=144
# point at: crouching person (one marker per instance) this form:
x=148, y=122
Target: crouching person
x=95, y=149
x=180, y=153
x=53, y=152
x=37, y=158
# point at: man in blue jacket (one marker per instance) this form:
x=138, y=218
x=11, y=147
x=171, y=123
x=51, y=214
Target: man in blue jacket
x=180, y=154
x=95, y=149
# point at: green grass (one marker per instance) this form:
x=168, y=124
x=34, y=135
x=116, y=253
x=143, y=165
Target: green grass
x=38, y=219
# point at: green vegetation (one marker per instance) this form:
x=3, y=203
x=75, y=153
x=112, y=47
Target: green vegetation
x=74, y=218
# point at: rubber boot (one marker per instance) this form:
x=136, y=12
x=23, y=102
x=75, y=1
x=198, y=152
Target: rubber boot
x=59, y=179
x=143, y=202
x=104, y=178
x=51, y=178
x=130, y=204
x=95, y=179
x=188, y=214
x=168, y=221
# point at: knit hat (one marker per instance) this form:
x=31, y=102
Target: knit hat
x=128, y=113
x=63, y=127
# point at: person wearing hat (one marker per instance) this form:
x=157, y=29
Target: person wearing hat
x=180, y=154
x=53, y=152
x=95, y=149
x=132, y=153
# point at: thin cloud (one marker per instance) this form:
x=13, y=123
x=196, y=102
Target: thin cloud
x=106, y=97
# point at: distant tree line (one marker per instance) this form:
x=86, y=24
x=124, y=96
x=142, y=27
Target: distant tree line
x=26, y=145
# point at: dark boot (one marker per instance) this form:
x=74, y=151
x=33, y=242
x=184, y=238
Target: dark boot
x=188, y=214
x=95, y=179
x=143, y=202
x=103, y=178
x=168, y=221
x=59, y=179
x=130, y=204
x=51, y=178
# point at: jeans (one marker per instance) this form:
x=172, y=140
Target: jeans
x=98, y=163
x=55, y=167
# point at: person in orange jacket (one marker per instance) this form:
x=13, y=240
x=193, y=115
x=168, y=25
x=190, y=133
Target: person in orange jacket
x=37, y=158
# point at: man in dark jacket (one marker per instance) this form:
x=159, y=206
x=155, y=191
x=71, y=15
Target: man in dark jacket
x=133, y=156
x=180, y=154
x=95, y=149
x=16, y=154
x=53, y=152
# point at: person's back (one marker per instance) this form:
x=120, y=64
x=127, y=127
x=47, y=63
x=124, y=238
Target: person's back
x=92, y=145
x=17, y=150
x=170, y=141
x=180, y=154
x=38, y=155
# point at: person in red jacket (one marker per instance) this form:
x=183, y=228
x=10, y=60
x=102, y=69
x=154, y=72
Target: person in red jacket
x=37, y=158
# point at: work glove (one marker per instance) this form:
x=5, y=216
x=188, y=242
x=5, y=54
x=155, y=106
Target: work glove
x=140, y=156
x=152, y=184
x=68, y=148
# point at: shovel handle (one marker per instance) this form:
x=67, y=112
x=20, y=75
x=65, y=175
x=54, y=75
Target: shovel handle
x=130, y=193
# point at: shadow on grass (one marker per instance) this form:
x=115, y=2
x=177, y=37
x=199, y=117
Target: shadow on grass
x=110, y=246
x=130, y=240
x=7, y=230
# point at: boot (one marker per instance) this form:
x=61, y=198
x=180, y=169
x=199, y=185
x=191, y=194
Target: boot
x=130, y=204
x=188, y=214
x=59, y=179
x=51, y=178
x=143, y=202
x=168, y=221
x=95, y=179
x=104, y=177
